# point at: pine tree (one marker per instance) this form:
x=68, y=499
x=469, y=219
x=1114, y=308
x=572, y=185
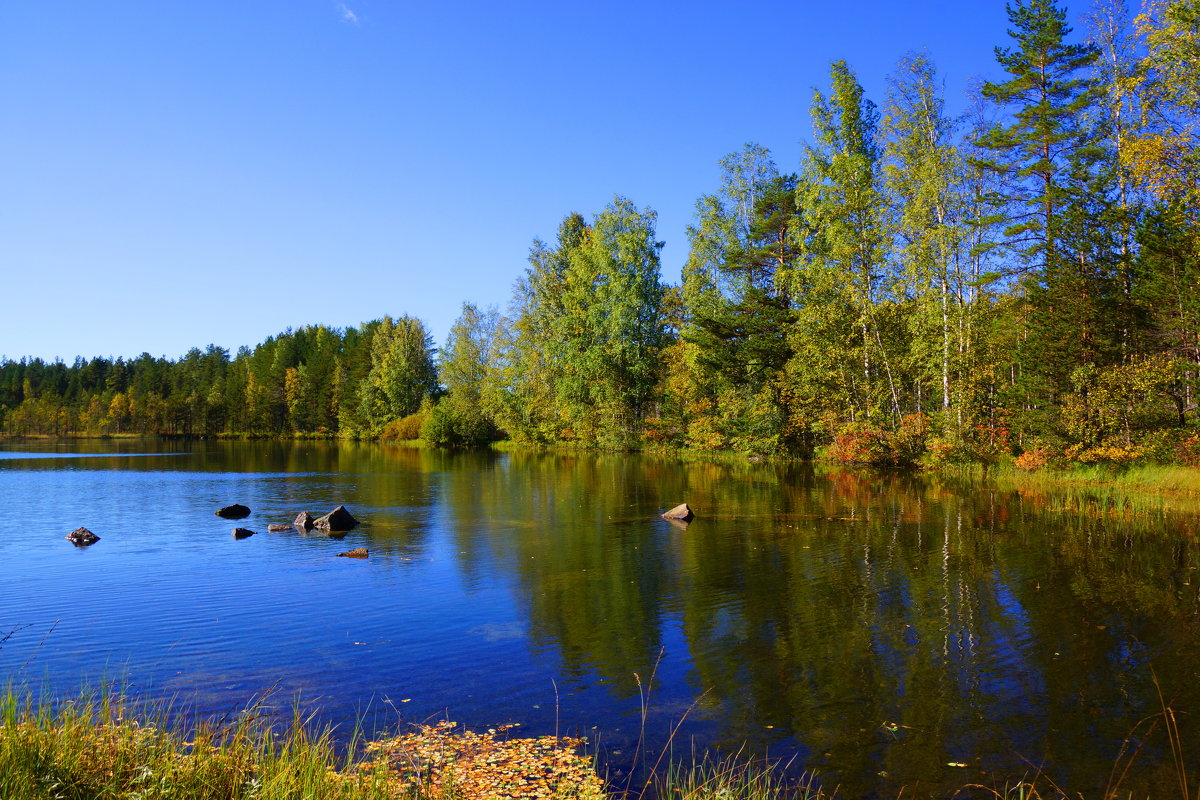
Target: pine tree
x=740, y=262
x=1044, y=143
x=1051, y=158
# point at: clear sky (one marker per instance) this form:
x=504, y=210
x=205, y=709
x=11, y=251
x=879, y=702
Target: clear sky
x=180, y=173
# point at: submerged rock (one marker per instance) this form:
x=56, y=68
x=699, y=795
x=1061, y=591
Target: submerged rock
x=337, y=520
x=304, y=521
x=277, y=528
x=82, y=537
x=358, y=552
x=242, y=533
x=235, y=511
x=680, y=512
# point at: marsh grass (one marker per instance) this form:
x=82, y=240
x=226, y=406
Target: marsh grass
x=1182, y=480
x=1146, y=491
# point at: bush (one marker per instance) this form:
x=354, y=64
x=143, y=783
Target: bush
x=1187, y=452
x=455, y=424
x=405, y=428
x=943, y=451
x=1111, y=454
x=1033, y=459
x=908, y=443
x=859, y=443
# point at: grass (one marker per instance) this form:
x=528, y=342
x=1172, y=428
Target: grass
x=99, y=747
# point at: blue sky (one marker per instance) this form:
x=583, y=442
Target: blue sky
x=184, y=173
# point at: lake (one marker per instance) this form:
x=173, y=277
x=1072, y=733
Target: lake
x=883, y=631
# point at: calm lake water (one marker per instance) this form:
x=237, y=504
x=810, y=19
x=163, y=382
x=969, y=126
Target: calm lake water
x=887, y=632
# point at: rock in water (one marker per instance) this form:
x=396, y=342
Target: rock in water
x=242, y=533
x=304, y=522
x=358, y=552
x=276, y=528
x=235, y=511
x=82, y=537
x=337, y=520
x=680, y=512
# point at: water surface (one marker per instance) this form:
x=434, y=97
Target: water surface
x=885, y=632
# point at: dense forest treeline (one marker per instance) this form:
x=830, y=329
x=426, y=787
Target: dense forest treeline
x=1022, y=279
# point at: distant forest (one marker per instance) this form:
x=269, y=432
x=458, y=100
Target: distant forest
x=1021, y=280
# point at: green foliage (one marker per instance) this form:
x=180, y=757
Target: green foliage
x=1117, y=404
x=736, y=332
x=1162, y=153
x=1047, y=138
x=838, y=346
x=463, y=362
x=455, y=423
x=402, y=372
x=579, y=359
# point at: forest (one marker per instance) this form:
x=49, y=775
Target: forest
x=1021, y=280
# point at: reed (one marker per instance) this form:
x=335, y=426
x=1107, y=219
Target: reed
x=1141, y=491
x=731, y=778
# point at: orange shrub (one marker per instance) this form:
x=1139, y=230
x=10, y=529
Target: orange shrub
x=404, y=428
x=1032, y=460
x=857, y=443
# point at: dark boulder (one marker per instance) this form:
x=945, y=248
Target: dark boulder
x=358, y=552
x=337, y=520
x=680, y=512
x=235, y=511
x=82, y=537
x=276, y=528
x=304, y=521
x=242, y=533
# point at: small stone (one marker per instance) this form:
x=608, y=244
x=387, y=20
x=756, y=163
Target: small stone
x=242, y=533
x=680, y=512
x=358, y=552
x=235, y=511
x=82, y=537
x=304, y=521
x=337, y=520
x=277, y=528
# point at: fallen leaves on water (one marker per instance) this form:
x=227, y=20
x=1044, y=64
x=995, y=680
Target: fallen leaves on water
x=484, y=765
